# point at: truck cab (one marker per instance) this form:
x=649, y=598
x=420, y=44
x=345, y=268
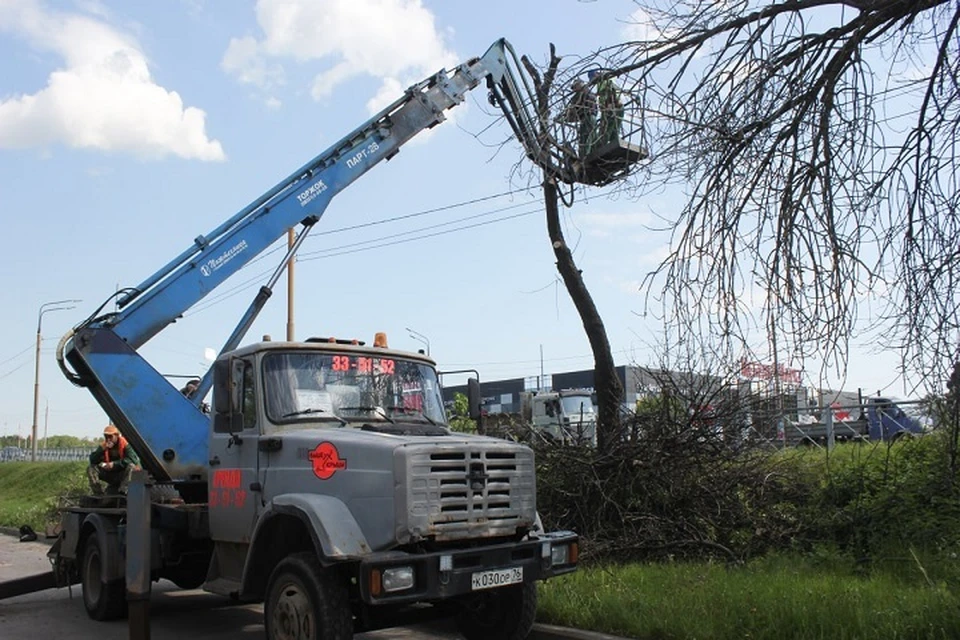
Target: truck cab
x=567, y=416
x=340, y=451
x=888, y=421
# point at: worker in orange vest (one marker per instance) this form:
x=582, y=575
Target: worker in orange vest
x=112, y=463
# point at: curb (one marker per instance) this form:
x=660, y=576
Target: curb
x=41, y=537
x=552, y=632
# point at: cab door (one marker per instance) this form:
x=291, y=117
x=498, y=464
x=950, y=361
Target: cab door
x=233, y=481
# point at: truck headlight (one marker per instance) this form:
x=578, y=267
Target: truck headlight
x=397, y=579
x=563, y=554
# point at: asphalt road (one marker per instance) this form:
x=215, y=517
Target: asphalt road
x=174, y=614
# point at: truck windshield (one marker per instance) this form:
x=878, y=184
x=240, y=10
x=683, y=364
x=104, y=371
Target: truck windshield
x=573, y=405
x=349, y=388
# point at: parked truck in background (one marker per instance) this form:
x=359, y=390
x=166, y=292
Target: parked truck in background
x=567, y=416
x=875, y=419
x=325, y=481
x=557, y=417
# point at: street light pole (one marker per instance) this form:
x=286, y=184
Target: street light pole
x=419, y=337
x=56, y=305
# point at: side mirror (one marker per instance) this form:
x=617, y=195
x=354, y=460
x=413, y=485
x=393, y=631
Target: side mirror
x=227, y=395
x=228, y=385
x=473, y=398
x=221, y=386
x=237, y=368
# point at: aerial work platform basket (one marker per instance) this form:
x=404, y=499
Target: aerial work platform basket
x=607, y=162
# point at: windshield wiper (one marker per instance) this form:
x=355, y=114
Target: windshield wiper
x=415, y=411
x=378, y=410
x=312, y=410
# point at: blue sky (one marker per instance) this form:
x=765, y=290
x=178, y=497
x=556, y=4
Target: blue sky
x=129, y=128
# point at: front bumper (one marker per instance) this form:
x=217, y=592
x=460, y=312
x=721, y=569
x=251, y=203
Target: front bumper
x=432, y=584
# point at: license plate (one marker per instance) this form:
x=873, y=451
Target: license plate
x=496, y=578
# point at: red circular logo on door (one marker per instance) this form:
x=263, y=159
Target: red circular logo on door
x=326, y=460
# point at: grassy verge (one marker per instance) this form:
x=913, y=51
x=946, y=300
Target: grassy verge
x=29, y=491
x=778, y=597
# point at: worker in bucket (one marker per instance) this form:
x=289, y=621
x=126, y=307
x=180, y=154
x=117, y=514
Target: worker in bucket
x=112, y=464
x=582, y=111
x=609, y=106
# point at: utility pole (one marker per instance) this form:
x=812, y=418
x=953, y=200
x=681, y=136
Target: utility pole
x=56, y=305
x=543, y=381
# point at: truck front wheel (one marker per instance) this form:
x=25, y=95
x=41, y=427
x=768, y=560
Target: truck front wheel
x=306, y=602
x=103, y=600
x=506, y=613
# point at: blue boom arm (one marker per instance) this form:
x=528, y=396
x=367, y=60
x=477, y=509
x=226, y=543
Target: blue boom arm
x=167, y=429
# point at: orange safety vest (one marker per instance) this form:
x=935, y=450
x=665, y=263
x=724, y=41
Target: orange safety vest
x=121, y=445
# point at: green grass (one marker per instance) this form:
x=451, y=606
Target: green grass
x=822, y=595
x=29, y=491
x=778, y=597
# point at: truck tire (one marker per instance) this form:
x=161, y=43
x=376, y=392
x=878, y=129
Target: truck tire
x=103, y=600
x=306, y=602
x=506, y=613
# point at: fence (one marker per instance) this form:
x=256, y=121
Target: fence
x=875, y=419
x=73, y=454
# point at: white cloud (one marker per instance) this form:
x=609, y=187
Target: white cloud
x=102, y=98
x=244, y=60
x=390, y=90
x=324, y=83
x=395, y=41
x=641, y=27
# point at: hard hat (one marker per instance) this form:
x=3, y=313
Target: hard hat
x=111, y=430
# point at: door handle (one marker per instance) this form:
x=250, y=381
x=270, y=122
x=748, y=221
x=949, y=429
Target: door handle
x=270, y=444
x=214, y=461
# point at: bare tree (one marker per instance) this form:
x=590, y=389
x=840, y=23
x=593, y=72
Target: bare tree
x=815, y=141
x=818, y=138
x=607, y=384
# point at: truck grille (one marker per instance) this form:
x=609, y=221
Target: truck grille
x=484, y=490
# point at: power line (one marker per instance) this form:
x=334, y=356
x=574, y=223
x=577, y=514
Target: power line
x=407, y=216
x=413, y=231
x=335, y=252
x=418, y=214
x=357, y=248
x=535, y=361
x=229, y=293
x=360, y=246
x=17, y=355
x=12, y=371
x=367, y=245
